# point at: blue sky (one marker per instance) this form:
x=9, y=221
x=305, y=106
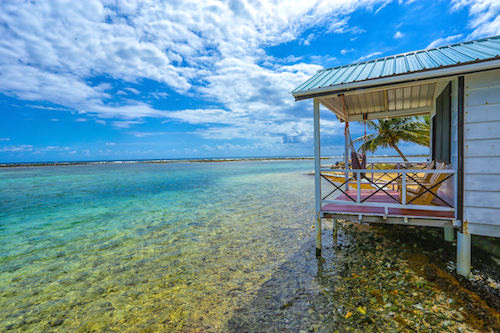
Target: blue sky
x=112, y=79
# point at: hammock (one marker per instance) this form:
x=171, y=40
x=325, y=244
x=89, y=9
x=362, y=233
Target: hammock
x=358, y=161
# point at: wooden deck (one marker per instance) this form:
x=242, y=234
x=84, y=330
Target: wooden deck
x=381, y=197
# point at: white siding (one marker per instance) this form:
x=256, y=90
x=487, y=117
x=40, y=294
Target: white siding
x=482, y=153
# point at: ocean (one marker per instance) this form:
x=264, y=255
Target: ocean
x=207, y=247
x=158, y=246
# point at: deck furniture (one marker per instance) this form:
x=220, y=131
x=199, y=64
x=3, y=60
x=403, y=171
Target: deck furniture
x=427, y=187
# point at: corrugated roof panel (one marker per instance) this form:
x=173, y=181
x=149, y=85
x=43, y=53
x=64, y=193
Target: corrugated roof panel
x=444, y=56
x=357, y=104
x=492, y=50
x=458, y=57
x=494, y=44
x=488, y=52
x=305, y=85
x=371, y=103
x=425, y=92
x=324, y=79
x=440, y=58
x=379, y=100
x=355, y=73
x=376, y=72
x=389, y=67
x=401, y=66
x=427, y=60
x=327, y=77
x=415, y=93
x=342, y=78
x=367, y=69
x=311, y=83
x=413, y=63
x=406, y=97
x=348, y=103
x=471, y=52
x=399, y=98
x=391, y=99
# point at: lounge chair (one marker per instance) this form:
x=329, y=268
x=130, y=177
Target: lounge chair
x=425, y=189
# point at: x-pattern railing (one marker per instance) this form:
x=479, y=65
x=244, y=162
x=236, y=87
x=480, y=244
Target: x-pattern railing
x=337, y=188
x=429, y=190
x=388, y=177
x=381, y=188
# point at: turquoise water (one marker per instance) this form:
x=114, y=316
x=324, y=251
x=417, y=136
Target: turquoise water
x=176, y=246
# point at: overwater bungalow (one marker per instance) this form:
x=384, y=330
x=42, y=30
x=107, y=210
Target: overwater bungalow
x=458, y=86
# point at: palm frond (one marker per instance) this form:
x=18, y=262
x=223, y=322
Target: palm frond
x=389, y=132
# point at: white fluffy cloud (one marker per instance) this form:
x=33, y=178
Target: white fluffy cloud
x=17, y=148
x=444, y=41
x=485, y=16
x=213, y=50
x=369, y=56
x=398, y=35
x=51, y=50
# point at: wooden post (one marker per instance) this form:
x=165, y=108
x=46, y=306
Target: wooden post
x=317, y=177
x=403, y=191
x=358, y=184
x=347, y=138
x=346, y=159
x=335, y=229
x=318, y=235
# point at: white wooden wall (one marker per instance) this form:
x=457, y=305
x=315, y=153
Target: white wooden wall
x=482, y=153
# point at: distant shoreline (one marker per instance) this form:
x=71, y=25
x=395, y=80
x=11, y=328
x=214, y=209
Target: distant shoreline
x=162, y=161
x=44, y=164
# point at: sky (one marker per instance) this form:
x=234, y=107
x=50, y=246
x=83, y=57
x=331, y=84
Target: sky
x=126, y=79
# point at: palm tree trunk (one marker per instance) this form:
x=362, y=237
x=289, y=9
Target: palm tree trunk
x=400, y=153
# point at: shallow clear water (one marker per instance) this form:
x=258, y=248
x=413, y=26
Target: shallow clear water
x=181, y=246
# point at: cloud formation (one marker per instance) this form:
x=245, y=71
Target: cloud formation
x=485, y=16
x=16, y=148
x=398, y=35
x=368, y=56
x=51, y=50
x=444, y=41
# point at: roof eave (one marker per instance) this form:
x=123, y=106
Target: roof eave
x=427, y=74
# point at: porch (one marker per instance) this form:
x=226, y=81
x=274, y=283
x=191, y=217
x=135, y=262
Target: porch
x=399, y=196
x=419, y=194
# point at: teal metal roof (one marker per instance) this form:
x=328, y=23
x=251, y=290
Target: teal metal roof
x=411, y=62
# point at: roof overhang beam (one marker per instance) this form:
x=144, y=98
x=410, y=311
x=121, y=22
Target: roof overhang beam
x=392, y=114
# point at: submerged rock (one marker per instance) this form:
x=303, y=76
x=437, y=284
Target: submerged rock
x=56, y=322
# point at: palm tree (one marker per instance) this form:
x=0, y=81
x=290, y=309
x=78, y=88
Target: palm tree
x=390, y=132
